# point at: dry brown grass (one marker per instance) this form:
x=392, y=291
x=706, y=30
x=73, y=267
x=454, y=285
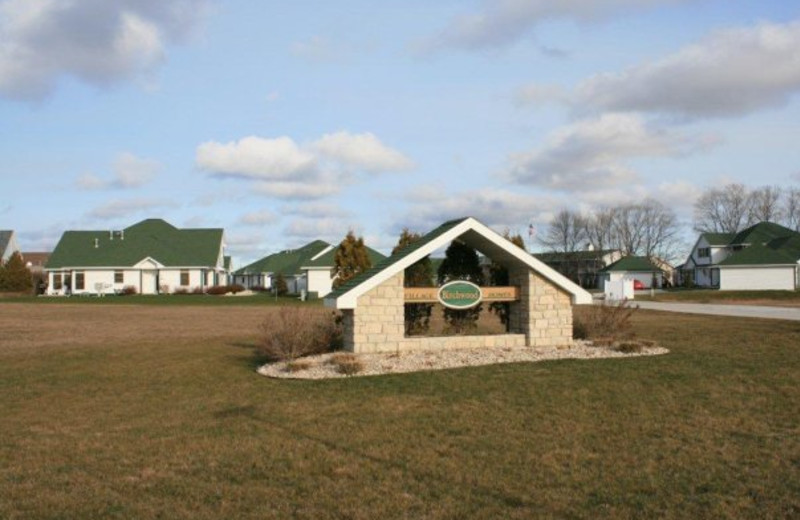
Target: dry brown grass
x=159, y=413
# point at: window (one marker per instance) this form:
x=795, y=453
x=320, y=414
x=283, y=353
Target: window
x=80, y=281
x=704, y=252
x=119, y=277
x=184, y=278
x=57, y=282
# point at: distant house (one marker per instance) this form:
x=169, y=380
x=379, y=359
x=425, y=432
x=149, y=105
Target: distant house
x=35, y=261
x=582, y=267
x=653, y=273
x=765, y=256
x=8, y=245
x=308, y=268
x=152, y=256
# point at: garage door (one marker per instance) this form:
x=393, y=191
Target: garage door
x=752, y=279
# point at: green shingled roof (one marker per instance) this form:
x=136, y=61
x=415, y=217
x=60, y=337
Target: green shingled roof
x=572, y=256
x=718, y=239
x=784, y=250
x=287, y=262
x=329, y=258
x=410, y=248
x=154, y=238
x=761, y=233
x=639, y=264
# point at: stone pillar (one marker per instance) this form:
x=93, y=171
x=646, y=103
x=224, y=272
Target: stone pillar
x=377, y=324
x=543, y=312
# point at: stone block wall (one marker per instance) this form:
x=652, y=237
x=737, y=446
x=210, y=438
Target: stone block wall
x=542, y=317
x=543, y=312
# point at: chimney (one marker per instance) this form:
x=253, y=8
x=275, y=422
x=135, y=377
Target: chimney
x=96, y=243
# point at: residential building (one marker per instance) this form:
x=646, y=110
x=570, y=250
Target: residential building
x=650, y=272
x=151, y=256
x=308, y=269
x=582, y=267
x=765, y=256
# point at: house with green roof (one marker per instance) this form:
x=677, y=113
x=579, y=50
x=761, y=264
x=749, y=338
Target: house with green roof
x=308, y=269
x=582, y=267
x=152, y=256
x=650, y=272
x=765, y=256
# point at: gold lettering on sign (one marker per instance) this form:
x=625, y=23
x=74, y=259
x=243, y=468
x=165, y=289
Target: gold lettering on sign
x=489, y=294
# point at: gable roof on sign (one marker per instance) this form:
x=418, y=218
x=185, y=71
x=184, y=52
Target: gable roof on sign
x=153, y=238
x=287, y=262
x=639, y=264
x=470, y=231
x=6, y=240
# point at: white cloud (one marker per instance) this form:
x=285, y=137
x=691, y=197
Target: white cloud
x=501, y=23
x=287, y=170
x=125, y=208
x=96, y=41
x=678, y=195
x=331, y=229
x=316, y=209
x=593, y=153
x=731, y=72
x=256, y=158
x=129, y=170
x=361, y=151
x=258, y=218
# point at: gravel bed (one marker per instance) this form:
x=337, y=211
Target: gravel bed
x=319, y=367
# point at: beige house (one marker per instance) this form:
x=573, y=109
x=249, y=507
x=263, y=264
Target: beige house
x=541, y=313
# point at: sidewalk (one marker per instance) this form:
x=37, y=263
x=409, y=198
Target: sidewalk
x=742, y=311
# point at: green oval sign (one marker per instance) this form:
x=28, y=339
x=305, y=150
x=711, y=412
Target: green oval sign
x=459, y=294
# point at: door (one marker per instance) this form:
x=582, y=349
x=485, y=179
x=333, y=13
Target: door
x=149, y=282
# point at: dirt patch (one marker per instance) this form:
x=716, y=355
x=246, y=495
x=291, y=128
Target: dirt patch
x=46, y=327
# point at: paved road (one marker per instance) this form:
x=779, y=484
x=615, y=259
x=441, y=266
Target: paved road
x=743, y=311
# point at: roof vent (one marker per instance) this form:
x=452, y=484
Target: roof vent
x=96, y=243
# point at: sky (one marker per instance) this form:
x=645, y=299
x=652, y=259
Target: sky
x=285, y=122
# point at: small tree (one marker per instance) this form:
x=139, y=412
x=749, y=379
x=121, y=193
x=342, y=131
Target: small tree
x=15, y=276
x=280, y=285
x=420, y=274
x=351, y=259
x=498, y=276
x=461, y=263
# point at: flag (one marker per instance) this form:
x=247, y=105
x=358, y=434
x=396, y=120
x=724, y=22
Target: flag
x=531, y=231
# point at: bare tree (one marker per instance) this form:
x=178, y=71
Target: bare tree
x=722, y=210
x=765, y=205
x=599, y=228
x=791, y=208
x=566, y=233
x=646, y=229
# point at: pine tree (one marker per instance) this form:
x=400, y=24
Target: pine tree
x=15, y=276
x=499, y=278
x=280, y=285
x=461, y=262
x=351, y=259
x=420, y=274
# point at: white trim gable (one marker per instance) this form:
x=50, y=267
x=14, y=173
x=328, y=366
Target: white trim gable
x=148, y=263
x=349, y=299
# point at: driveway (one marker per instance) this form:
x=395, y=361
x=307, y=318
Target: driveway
x=743, y=311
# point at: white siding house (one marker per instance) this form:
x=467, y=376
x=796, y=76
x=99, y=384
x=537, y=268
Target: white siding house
x=765, y=256
x=151, y=257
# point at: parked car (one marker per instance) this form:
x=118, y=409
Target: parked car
x=638, y=285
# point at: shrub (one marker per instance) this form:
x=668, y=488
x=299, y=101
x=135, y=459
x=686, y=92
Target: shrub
x=609, y=321
x=180, y=291
x=217, y=290
x=198, y=290
x=293, y=332
x=629, y=347
x=236, y=288
x=129, y=290
x=297, y=366
x=347, y=364
x=14, y=275
x=259, y=289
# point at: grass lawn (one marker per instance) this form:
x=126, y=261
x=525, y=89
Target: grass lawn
x=774, y=298
x=145, y=411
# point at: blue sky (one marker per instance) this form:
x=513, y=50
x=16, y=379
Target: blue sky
x=284, y=122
